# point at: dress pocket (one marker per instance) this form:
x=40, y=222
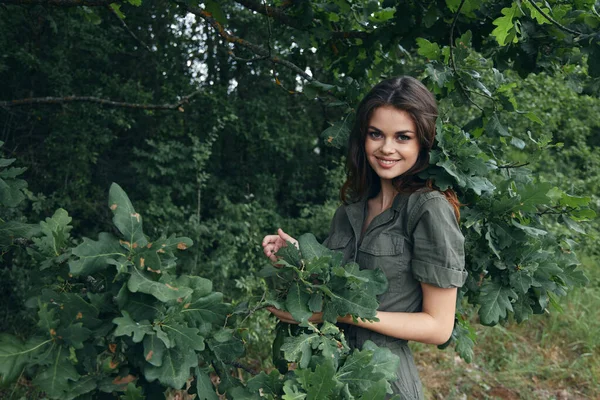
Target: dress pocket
x=386, y=252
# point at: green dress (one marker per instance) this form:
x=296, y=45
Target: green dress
x=416, y=240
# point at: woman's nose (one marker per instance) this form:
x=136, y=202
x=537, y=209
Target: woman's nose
x=387, y=147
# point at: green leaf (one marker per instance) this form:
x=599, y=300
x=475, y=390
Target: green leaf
x=132, y=393
x=315, y=304
x=11, y=230
x=11, y=192
x=506, y=30
x=184, y=337
x=290, y=254
x=535, y=14
x=378, y=390
x=94, y=256
x=534, y=118
x=495, y=300
x=318, y=384
x=464, y=335
x=55, y=231
x=383, y=15
x=494, y=126
x=299, y=348
x=14, y=355
x=383, y=361
x=126, y=326
x=438, y=73
x=292, y=392
x=214, y=8
x=530, y=230
x=266, y=384
x=46, y=322
x=127, y=221
x=117, y=9
x=297, y=304
x=522, y=280
x=310, y=248
x=164, y=290
x=533, y=195
x=207, y=311
x=154, y=349
x=74, y=335
x=175, y=369
x=428, y=49
x=336, y=135
x=54, y=379
x=204, y=386
x=225, y=345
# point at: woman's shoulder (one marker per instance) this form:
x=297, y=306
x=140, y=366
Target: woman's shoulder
x=426, y=198
x=432, y=203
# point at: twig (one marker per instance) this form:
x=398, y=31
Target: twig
x=256, y=308
x=279, y=14
x=452, y=63
x=507, y=166
x=62, y=3
x=555, y=211
x=104, y=102
x=242, y=366
x=112, y=10
x=553, y=21
x=258, y=50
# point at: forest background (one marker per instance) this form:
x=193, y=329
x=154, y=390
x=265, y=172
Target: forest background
x=226, y=120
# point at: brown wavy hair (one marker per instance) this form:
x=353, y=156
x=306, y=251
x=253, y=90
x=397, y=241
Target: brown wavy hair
x=406, y=94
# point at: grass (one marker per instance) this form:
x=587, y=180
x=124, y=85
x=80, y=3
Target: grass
x=551, y=356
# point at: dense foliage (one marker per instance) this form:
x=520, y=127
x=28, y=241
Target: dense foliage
x=228, y=123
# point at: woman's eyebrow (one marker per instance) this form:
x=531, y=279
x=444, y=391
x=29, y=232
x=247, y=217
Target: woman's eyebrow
x=402, y=132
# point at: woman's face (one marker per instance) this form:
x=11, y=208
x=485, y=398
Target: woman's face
x=391, y=144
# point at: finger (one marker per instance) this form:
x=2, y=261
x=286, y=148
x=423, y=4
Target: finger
x=286, y=237
x=269, y=239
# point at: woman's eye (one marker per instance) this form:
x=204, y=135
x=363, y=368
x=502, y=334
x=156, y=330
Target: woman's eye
x=403, y=137
x=374, y=134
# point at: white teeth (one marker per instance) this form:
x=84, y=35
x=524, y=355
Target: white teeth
x=389, y=162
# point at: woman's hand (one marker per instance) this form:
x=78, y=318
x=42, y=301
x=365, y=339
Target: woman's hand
x=284, y=316
x=272, y=243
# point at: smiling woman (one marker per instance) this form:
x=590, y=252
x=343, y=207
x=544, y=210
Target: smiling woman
x=394, y=221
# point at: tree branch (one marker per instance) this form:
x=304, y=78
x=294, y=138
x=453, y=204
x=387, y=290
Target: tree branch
x=258, y=50
x=112, y=11
x=452, y=63
x=515, y=165
x=62, y=3
x=552, y=20
x=96, y=100
x=279, y=14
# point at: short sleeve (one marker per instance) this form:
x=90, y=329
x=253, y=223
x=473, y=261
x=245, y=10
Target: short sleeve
x=438, y=244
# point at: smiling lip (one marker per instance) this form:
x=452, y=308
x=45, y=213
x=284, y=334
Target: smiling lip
x=386, y=163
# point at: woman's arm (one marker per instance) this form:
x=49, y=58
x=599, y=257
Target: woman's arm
x=432, y=325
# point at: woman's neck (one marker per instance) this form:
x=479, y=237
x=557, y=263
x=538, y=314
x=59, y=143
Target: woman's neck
x=385, y=197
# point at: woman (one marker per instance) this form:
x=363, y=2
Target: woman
x=393, y=220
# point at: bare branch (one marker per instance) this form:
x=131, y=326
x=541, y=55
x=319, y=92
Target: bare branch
x=62, y=3
x=133, y=35
x=258, y=50
x=279, y=14
x=96, y=100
